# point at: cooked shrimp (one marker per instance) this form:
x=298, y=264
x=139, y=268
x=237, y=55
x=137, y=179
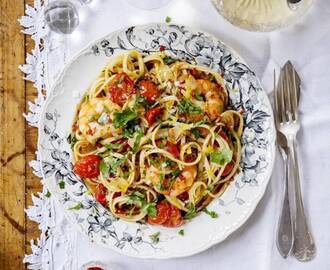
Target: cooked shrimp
x=184, y=181
x=214, y=104
x=179, y=185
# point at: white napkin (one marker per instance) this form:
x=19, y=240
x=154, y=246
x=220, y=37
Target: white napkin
x=253, y=245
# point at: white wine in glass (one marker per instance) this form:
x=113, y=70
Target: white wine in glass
x=261, y=15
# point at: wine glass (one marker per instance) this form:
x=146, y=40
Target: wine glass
x=148, y=4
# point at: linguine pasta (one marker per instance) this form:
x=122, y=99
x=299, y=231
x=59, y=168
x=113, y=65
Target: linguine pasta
x=155, y=139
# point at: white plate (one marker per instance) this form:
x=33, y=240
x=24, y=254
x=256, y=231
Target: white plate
x=234, y=206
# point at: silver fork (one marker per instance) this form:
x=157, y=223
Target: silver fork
x=286, y=103
x=284, y=236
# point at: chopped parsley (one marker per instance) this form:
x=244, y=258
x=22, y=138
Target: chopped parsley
x=121, y=119
x=155, y=237
x=169, y=163
x=76, y=207
x=175, y=173
x=113, y=146
x=110, y=164
x=48, y=194
x=138, y=198
x=196, y=133
x=186, y=106
x=191, y=211
x=61, y=184
x=168, y=19
x=71, y=139
x=212, y=214
x=221, y=157
x=181, y=232
x=199, y=123
x=138, y=138
x=169, y=60
x=199, y=96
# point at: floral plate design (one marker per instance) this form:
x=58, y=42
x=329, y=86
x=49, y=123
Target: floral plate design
x=133, y=239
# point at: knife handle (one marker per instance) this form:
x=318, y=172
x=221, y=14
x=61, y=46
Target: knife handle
x=284, y=238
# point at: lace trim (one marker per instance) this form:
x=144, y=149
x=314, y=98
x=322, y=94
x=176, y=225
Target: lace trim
x=43, y=209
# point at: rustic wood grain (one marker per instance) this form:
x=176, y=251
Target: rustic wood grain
x=12, y=137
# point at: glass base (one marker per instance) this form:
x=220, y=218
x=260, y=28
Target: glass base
x=148, y=4
x=261, y=15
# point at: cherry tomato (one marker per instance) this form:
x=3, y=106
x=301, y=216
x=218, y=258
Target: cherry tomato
x=228, y=169
x=121, y=88
x=152, y=114
x=184, y=196
x=149, y=90
x=173, y=149
x=224, y=136
x=175, y=219
x=100, y=194
x=163, y=213
x=94, y=268
x=88, y=166
x=162, y=48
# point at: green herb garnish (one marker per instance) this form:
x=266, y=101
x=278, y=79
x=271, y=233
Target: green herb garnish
x=76, y=207
x=110, y=164
x=186, y=106
x=113, y=146
x=221, y=157
x=196, y=133
x=212, y=214
x=48, y=194
x=138, y=138
x=121, y=119
x=138, y=198
x=181, y=232
x=175, y=173
x=169, y=60
x=199, y=96
x=71, y=139
x=155, y=237
x=168, y=19
x=191, y=211
x=61, y=184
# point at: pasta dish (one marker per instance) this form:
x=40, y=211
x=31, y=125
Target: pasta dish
x=155, y=139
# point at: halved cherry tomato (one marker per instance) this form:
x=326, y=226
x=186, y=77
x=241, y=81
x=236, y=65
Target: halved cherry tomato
x=149, y=90
x=152, y=114
x=224, y=136
x=88, y=166
x=121, y=88
x=228, y=169
x=183, y=196
x=175, y=219
x=163, y=213
x=173, y=149
x=100, y=194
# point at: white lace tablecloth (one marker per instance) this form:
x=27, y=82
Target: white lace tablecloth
x=253, y=246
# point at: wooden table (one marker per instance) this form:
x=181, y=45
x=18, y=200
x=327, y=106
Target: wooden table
x=17, y=140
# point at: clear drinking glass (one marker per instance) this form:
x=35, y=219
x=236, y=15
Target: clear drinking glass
x=61, y=16
x=148, y=4
x=261, y=15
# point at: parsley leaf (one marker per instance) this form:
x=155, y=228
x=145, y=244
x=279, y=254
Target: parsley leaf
x=61, y=184
x=150, y=209
x=212, y=214
x=48, y=194
x=104, y=168
x=181, y=232
x=113, y=146
x=191, y=212
x=169, y=60
x=76, y=207
x=138, y=198
x=175, y=173
x=168, y=19
x=121, y=119
x=71, y=139
x=186, y=106
x=199, y=96
x=196, y=133
x=155, y=237
x=221, y=157
x=138, y=138
x=110, y=164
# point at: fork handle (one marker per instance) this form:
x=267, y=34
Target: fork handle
x=284, y=239
x=303, y=247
